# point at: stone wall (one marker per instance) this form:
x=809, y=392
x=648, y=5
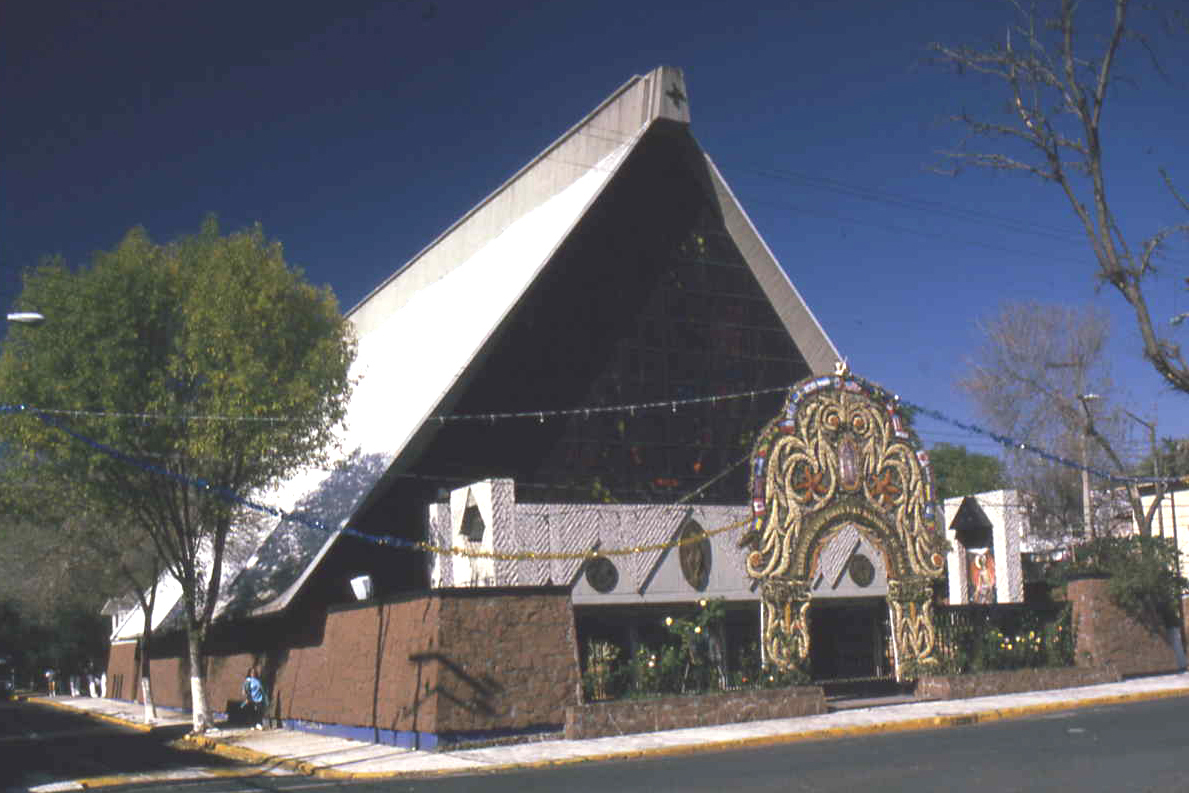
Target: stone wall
x=986, y=684
x=418, y=671
x=504, y=663
x=622, y=717
x=1108, y=636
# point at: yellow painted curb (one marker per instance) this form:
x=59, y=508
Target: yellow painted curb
x=136, y=725
x=231, y=751
x=95, y=782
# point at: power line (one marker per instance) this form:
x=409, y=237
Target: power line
x=904, y=201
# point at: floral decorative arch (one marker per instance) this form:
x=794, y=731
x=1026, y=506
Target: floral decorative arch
x=840, y=455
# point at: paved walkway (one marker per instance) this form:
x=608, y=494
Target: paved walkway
x=323, y=756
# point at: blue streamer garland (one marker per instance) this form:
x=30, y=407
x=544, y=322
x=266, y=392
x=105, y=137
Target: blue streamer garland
x=49, y=418
x=203, y=485
x=1012, y=443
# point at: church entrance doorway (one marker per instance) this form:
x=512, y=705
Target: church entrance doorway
x=850, y=640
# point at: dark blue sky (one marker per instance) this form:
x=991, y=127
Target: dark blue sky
x=356, y=131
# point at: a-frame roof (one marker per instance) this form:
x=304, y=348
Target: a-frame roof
x=423, y=326
x=452, y=297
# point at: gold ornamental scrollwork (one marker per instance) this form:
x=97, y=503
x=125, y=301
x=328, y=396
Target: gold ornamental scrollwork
x=786, y=622
x=839, y=452
x=913, y=630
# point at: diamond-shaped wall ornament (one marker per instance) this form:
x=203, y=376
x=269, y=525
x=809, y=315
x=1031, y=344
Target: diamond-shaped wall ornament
x=837, y=554
x=472, y=522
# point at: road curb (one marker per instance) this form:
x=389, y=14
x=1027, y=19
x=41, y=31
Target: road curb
x=907, y=725
x=222, y=747
x=243, y=754
x=136, y=725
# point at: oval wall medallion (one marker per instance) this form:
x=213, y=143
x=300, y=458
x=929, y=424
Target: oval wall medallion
x=694, y=554
x=602, y=575
x=861, y=570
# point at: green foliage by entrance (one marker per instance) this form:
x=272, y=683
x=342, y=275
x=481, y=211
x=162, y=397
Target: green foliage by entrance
x=1144, y=575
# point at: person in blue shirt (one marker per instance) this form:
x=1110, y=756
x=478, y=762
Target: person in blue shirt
x=255, y=701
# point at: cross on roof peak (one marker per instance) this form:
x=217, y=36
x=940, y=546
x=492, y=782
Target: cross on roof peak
x=674, y=93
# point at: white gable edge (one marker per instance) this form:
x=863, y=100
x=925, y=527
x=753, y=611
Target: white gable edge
x=631, y=107
x=799, y=320
x=561, y=229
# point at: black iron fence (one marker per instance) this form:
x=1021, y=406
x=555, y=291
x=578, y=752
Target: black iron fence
x=981, y=638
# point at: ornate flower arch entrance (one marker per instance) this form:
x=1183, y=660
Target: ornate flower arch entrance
x=835, y=473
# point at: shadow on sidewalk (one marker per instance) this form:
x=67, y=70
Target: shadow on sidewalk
x=42, y=744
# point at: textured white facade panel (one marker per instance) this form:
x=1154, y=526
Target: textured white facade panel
x=652, y=575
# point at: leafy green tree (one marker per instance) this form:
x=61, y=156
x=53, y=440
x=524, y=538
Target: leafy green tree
x=55, y=555
x=959, y=472
x=203, y=360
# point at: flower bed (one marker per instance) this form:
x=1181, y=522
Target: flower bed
x=985, y=684
x=599, y=719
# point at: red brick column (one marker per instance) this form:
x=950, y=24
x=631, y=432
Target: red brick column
x=1108, y=636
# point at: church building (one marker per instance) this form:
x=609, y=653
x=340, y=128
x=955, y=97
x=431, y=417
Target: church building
x=566, y=383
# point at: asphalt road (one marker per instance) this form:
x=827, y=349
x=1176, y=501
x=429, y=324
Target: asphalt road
x=41, y=745
x=1134, y=747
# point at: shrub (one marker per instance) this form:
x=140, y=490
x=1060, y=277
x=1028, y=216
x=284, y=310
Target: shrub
x=1145, y=579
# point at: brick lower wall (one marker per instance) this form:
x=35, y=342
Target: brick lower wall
x=454, y=663
x=986, y=684
x=622, y=717
x=1106, y=635
x=121, y=671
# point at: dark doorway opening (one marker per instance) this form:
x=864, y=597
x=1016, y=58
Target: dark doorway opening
x=849, y=640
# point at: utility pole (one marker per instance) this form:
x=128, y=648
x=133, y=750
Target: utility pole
x=1087, y=512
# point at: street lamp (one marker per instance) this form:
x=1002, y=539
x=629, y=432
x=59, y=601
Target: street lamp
x=1086, y=511
x=26, y=317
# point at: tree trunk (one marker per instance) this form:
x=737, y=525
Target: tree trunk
x=146, y=685
x=146, y=641
x=200, y=717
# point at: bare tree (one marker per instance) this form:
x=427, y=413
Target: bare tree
x=1058, y=80
x=1041, y=377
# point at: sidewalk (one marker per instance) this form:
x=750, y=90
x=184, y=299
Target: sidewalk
x=327, y=757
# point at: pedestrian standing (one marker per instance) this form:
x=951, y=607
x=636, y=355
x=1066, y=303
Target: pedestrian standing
x=255, y=701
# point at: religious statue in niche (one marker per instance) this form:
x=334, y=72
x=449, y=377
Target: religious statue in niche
x=839, y=455
x=980, y=575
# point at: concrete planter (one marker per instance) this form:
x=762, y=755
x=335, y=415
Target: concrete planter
x=986, y=684
x=598, y=719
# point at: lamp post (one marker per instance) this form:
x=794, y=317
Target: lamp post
x=1087, y=513
x=26, y=317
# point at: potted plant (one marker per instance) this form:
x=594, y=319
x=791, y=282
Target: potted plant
x=600, y=657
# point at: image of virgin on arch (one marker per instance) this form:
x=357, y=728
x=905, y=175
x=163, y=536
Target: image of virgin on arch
x=844, y=514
